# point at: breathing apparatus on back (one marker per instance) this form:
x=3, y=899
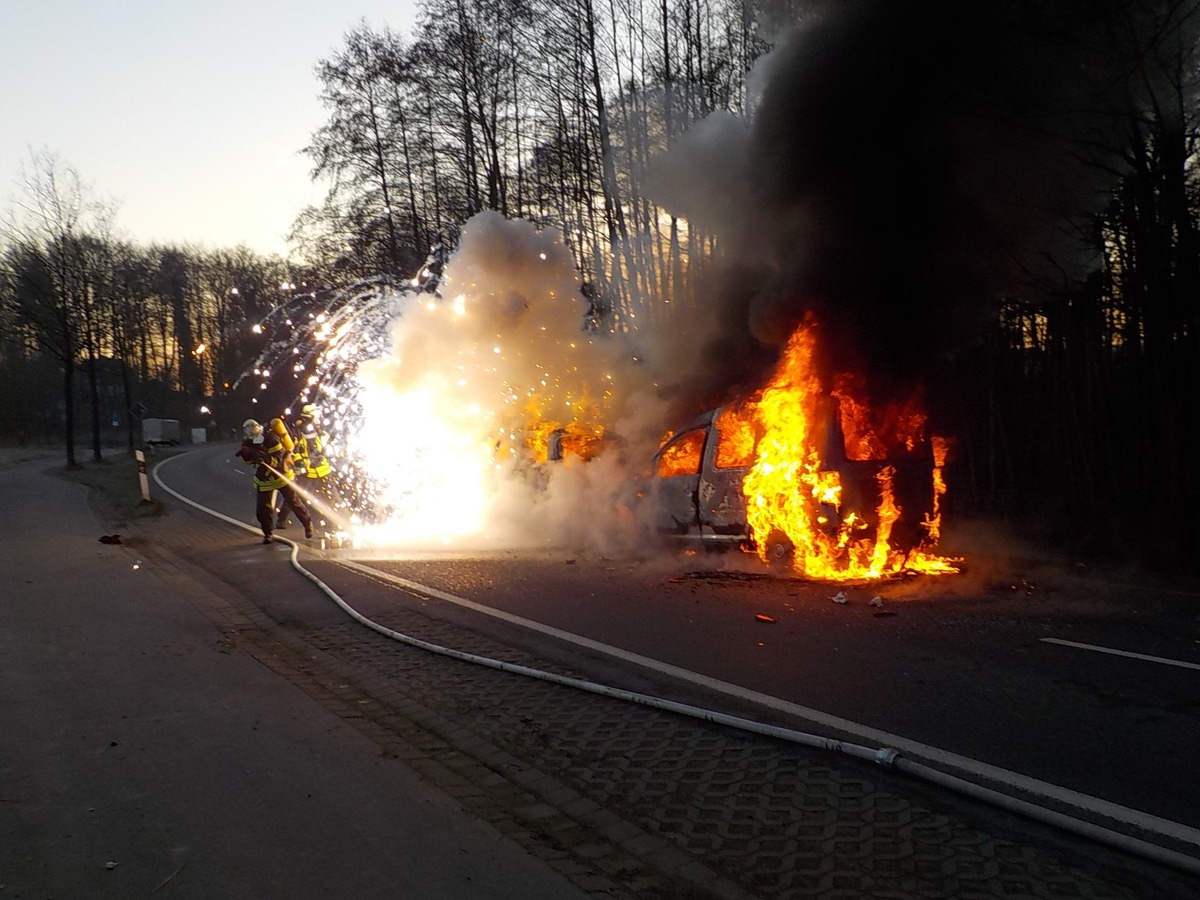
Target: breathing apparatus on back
x=282, y=433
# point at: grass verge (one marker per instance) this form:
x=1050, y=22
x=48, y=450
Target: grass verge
x=114, y=489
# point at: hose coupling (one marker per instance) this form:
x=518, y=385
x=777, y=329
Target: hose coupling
x=886, y=757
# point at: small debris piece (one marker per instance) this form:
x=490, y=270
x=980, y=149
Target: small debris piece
x=886, y=614
x=839, y=597
x=166, y=880
x=876, y=601
x=110, y=539
x=570, y=562
x=110, y=865
x=764, y=618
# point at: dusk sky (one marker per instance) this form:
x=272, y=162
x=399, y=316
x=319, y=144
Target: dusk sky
x=189, y=114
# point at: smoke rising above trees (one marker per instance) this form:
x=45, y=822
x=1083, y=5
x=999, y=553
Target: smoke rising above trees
x=903, y=168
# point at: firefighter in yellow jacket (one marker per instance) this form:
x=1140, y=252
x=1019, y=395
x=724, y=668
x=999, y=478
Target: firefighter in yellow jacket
x=271, y=455
x=311, y=461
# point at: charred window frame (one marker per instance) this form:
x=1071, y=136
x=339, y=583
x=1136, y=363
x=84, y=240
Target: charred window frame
x=682, y=455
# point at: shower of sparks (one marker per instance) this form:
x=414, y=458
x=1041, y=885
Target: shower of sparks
x=437, y=403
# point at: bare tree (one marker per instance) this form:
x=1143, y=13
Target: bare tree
x=55, y=224
x=356, y=148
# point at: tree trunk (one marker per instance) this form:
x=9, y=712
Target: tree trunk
x=94, y=404
x=69, y=402
x=127, y=397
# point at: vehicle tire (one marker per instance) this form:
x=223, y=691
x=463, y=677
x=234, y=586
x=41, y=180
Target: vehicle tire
x=780, y=550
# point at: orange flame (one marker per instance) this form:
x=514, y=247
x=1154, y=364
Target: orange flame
x=735, y=449
x=682, y=457
x=552, y=440
x=547, y=438
x=933, y=519
x=792, y=498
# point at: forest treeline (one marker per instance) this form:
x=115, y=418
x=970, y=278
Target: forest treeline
x=1072, y=403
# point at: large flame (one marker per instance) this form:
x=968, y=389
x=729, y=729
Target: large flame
x=793, y=497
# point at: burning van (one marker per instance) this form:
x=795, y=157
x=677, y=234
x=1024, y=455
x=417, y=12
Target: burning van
x=817, y=479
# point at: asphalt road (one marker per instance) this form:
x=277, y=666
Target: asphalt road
x=969, y=668
x=143, y=755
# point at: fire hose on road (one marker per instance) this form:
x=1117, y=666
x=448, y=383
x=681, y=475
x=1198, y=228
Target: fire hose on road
x=889, y=757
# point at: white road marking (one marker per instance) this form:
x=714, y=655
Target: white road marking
x=1163, y=660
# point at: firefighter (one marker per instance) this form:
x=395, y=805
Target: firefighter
x=311, y=461
x=266, y=450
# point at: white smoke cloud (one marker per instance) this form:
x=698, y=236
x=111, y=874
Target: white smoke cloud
x=447, y=414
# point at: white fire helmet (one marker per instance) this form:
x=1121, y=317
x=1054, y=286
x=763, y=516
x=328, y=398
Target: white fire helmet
x=253, y=430
x=309, y=411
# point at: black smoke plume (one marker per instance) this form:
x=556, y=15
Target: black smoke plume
x=906, y=165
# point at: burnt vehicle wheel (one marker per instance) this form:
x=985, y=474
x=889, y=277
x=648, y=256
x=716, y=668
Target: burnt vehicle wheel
x=780, y=549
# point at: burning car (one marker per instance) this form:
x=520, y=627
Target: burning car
x=817, y=479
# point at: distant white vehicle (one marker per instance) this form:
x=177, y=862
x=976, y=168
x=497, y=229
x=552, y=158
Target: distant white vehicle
x=160, y=431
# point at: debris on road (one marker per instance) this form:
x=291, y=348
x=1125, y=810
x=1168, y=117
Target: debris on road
x=764, y=618
x=840, y=597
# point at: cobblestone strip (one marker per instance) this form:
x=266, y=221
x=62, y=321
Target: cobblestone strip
x=628, y=801
x=779, y=820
